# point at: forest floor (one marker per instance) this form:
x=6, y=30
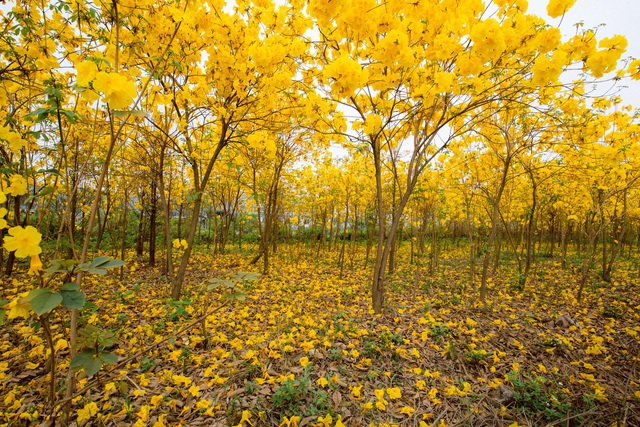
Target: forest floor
x=304, y=348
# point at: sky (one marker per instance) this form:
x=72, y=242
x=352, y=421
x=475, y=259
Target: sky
x=618, y=16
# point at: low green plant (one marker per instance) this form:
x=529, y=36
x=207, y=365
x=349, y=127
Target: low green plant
x=537, y=397
x=476, y=356
x=290, y=395
x=92, y=342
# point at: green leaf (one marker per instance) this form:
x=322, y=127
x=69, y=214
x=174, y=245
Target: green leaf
x=87, y=361
x=46, y=190
x=35, y=292
x=108, y=358
x=73, y=286
x=72, y=299
x=250, y=277
x=114, y=263
x=238, y=296
x=60, y=266
x=71, y=116
x=107, y=339
x=100, y=265
x=79, y=360
x=40, y=114
x=45, y=302
x=93, y=270
x=48, y=171
x=97, y=262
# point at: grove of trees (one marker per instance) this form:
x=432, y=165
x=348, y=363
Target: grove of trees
x=370, y=133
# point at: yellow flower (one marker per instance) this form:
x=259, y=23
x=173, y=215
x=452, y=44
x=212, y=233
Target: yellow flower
x=89, y=411
x=63, y=344
x=326, y=421
x=304, y=361
x=245, y=417
x=86, y=72
x=322, y=382
x=407, y=410
x=17, y=185
x=194, y=390
x=367, y=406
x=203, y=404
x=14, y=139
x=36, y=265
x=3, y=222
x=143, y=413
x=394, y=393
x=160, y=422
x=355, y=391
x=156, y=400
x=290, y=422
x=19, y=307
x=25, y=241
x=117, y=89
x=432, y=395
x=556, y=8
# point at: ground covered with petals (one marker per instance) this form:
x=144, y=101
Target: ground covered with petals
x=304, y=348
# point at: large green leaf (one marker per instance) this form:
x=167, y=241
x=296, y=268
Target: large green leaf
x=72, y=299
x=46, y=190
x=46, y=301
x=238, y=296
x=114, y=263
x=73, y=286
x=60, y=266
x=87, y=361
x=108, y=358
x=100, y=265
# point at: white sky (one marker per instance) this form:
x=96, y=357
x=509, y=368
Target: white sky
x=619, y=17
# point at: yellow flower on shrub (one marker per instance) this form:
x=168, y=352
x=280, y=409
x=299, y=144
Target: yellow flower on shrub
x=3, y=222
x=19, y=307
x=118, y=90
x=17, y=185
x=36, y=264
x=25, y=241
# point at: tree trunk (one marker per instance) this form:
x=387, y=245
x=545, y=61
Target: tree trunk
x=494, y=230
x=153, y=224
x=344, y=238
x=140, y=237
x=530, y=232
